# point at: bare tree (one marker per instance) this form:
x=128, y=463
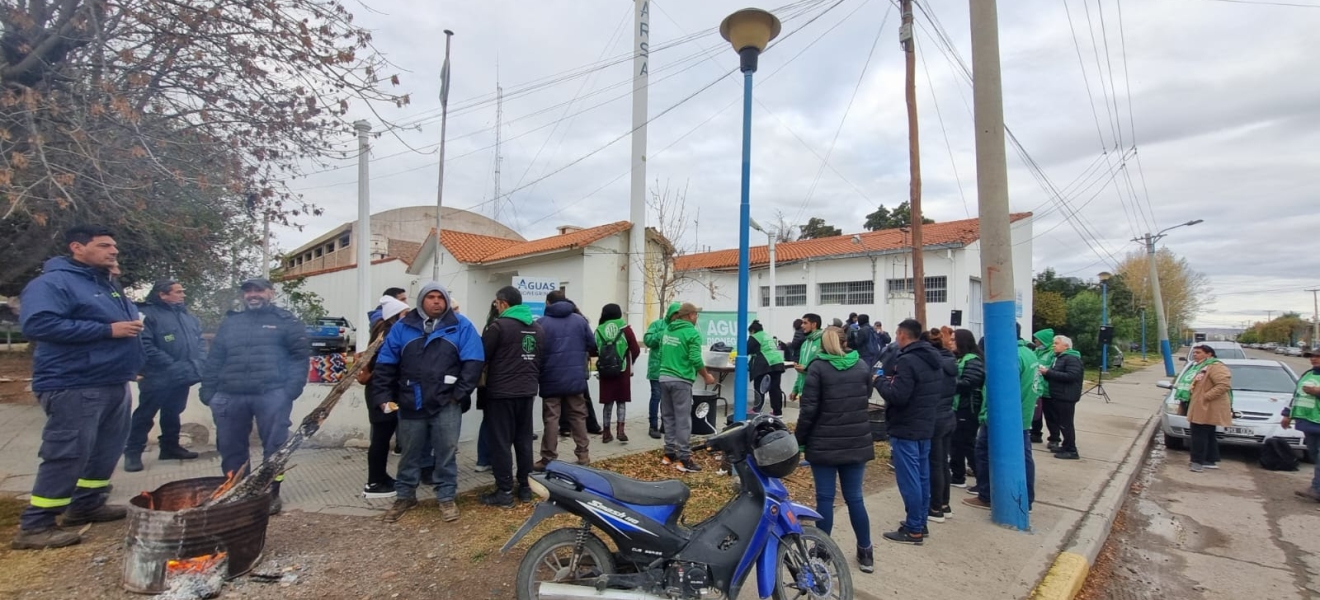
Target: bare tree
x=668, y=208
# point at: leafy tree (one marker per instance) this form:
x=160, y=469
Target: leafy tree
x=160, y=119
x=1049, y=281
x=306, y=305
x=901, y=216
x=1083, y=325
x=817, y=228
x=1183, y=289
x=1051, y=310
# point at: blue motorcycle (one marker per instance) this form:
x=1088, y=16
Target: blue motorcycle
x=660, y=558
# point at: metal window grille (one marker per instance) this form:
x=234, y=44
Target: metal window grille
x=847, y=292
x=937, y=288
x=785, y=295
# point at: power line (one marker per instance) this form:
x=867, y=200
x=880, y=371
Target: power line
x=1268, y=3
x=947, y=146
x=1132, y=124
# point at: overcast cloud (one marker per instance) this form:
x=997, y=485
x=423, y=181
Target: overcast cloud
x=1223, y=97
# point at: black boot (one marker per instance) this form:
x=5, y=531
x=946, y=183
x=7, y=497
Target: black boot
x=174, y=452
x=866, y=559
x=133, y=462
x=276, y=505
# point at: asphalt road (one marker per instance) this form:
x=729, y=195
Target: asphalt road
x=1235, y=532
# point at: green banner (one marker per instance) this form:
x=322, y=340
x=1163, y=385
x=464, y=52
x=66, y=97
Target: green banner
x=719, y=326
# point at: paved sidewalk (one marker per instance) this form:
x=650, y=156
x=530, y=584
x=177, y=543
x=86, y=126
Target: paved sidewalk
x=325, y=480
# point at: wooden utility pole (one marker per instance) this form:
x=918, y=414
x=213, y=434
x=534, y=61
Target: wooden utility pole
x=914, y=160
x=1315, y=318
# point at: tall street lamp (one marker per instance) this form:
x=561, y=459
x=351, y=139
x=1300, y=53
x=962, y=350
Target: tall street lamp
x=769, y=314
x=1161, y=320
x=750, y=31
x=1104, y=319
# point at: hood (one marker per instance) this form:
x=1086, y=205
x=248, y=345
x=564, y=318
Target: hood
x=432, y=286
x=678, y=324
x=64, y=263
x=673, y=308
x=560, y=310
x=1072, y=352
x=154, y=300
x=924, y=351
x=1045, y=337
x=519, y=313
x=840, y=363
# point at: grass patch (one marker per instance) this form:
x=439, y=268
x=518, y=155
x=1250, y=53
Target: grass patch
x=1131, y=364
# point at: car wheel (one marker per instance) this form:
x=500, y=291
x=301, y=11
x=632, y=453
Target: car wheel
x=1174, y=443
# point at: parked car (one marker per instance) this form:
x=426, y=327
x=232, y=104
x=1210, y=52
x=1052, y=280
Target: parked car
x=1222, y=350
x=1261, y=390
x=1281, y=350
x=331, y=335
x=1294, y=351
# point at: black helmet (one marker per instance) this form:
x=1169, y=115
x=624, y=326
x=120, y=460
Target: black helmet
x=775, y=450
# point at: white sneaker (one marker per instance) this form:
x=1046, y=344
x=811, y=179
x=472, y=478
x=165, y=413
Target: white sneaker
x=482, y=468
x=1197, y=468
x=1211, y=465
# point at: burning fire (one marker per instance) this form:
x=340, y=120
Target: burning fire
x=232, y=479
x=196, y=564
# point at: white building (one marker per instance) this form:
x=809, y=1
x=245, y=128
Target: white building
x=867, y=273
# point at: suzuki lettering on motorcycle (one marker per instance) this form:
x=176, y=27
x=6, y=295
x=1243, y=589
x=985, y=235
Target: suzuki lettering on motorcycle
x=759, y=527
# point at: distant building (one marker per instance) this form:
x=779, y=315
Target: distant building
x=866, y=273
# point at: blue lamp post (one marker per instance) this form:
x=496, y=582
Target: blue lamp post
x=750, y=31
x=1104, y=318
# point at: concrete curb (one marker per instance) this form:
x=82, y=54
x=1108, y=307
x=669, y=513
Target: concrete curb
x=1066, y=575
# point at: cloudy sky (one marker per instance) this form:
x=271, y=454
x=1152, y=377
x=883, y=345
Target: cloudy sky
x=1219, y=98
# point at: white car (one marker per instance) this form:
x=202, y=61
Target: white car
x=1223, y=350
x=1261, y=390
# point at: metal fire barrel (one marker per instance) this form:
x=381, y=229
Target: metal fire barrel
x=158, y=532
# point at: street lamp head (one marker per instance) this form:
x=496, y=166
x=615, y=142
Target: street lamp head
x=757, y=226
x=1105, y=275
x=1195, y=222
x=750, y=31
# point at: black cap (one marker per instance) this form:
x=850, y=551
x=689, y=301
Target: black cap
x=1311, y=352
x=260, y=283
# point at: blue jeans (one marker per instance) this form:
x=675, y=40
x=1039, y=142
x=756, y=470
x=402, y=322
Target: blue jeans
x=850, y=480
x=1313, y=444
x=912, y=470
x=440, y=432
x=483, y=441
x=983, y=466
x=234, y=414
x=654, y=412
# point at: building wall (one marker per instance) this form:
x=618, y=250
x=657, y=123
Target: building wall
x=338, y=289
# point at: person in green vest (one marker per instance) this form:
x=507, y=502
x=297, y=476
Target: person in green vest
x=1030, y=386
x=681, y=362
x=1042, y=417
x=1304, y=411
x=765, y=368
x=808, y=352
x=651, y=339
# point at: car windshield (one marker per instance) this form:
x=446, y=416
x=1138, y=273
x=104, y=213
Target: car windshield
x=1265, y=378
x=329, y=322
x=1224, y=353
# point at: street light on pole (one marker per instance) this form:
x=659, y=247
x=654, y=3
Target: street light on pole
x=750, y=31
x=1104, y=319
x=1161, y=320
x=769, y=314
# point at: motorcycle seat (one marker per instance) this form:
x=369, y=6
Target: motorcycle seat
x=625, y=489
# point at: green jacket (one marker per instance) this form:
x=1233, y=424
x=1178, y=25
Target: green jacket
x=651, y=339
x=1030, y=384
x=1045, y=352
x=810, y=350
x=680, y=351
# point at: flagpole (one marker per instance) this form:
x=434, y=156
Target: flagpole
x=440, y=185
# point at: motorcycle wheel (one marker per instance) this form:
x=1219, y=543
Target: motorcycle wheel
x=548, y=560
x=833, y=575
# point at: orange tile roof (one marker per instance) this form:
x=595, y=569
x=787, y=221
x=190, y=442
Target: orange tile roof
x=472, y=248
x=958, y=233
x=404, y=250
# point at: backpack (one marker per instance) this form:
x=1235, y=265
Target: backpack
x=608, y=362
x=1277, y=455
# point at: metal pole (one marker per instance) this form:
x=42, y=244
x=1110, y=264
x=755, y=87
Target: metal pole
x=1315, y=317
x=265, y=245
x=1008, y=443
x=744, y=241
x=637, y=213
x=905, y=36
x=1104, y=320
x=1143, y=335
x=770, y=314
x=440, y=184
x=363, y=231
x=1161, y=320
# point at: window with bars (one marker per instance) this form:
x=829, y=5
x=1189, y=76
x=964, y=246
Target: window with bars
x=785, y=295
x=847, y=292
x=937, y=288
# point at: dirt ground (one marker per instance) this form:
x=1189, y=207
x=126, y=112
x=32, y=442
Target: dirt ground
x=330, y=556
x=15, y=377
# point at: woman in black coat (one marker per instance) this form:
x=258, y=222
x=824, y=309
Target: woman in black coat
x=834, y=428
x=967, y=405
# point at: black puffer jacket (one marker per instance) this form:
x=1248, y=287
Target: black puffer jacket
x=255, y=351
x=970, y=383
x=513, y=358
x=172, y=339
x=1065, y=378
x=949, y=377
x=832, y=421
x=913, y=388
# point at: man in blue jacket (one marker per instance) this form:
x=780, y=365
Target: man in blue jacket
x=172, y=339
x=256, y=368
x=87, y=350
x=913, y=388
x=430, y=362
x=568, y=345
